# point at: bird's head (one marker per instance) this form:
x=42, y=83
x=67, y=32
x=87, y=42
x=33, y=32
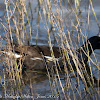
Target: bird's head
x=95, y=42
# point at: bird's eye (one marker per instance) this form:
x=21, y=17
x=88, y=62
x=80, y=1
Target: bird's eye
x=25, y=54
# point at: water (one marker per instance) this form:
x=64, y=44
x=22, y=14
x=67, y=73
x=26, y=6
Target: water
x=42, y=87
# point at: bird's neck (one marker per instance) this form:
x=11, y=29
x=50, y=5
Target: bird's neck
x=85, y=51
x=87, y=48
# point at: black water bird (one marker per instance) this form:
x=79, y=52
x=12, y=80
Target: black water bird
x=35, y=57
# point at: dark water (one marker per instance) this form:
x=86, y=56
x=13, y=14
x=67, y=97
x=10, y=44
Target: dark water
x=41, y=85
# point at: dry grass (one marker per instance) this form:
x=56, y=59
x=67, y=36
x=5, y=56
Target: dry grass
x=67, y=33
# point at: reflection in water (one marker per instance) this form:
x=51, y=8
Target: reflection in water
x=33, y=77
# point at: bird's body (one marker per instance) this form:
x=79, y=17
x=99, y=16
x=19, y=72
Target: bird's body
x=35, y=56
